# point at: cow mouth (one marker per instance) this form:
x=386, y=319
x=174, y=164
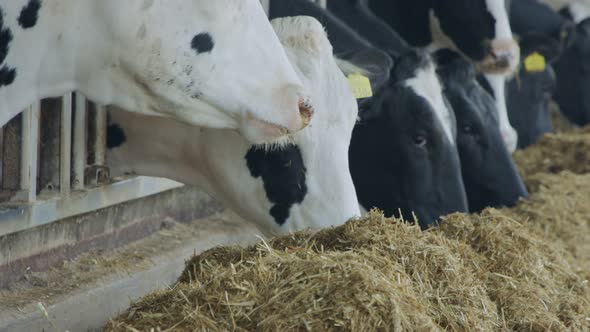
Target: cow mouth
x=495, y=65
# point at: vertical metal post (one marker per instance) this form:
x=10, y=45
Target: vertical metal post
x=101, y=136
x=79, y=144
x=30, y=148
x=65, y=161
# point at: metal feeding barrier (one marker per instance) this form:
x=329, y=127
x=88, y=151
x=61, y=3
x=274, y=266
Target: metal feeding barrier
x=52, y=164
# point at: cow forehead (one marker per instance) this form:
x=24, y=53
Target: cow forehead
x=498, y=10
x=427, y=85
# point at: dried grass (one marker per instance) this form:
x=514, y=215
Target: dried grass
x=556, y=153
x=523, y=269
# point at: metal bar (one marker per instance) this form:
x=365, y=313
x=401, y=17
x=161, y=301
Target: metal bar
x=65, y=151
x=101, y=136
x=1, y=154
x=43, y=212
x=79, y=150
x=30, y=149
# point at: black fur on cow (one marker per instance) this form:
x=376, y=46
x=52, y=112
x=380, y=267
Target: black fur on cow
x=529, y=94
x=401, y=160
x=572, y=68
x=573, y=77
x=489, y=173
x=467, y=22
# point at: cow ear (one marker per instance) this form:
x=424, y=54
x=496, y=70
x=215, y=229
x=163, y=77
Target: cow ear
x=539, y=44
x=567, y=34
x=373, y=64
x=583, y=27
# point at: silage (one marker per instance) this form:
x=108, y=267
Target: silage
x=524, y=268
x=556, y=153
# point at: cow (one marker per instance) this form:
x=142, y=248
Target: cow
x=477, y=29
x=579, y=9
x=402, y=154
x=303, y=182
x=572, y=68
x=573, y=77
x=478, y=137
x=529, y=93
x=489, y=173
x=206, y=63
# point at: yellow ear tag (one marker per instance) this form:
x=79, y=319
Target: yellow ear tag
x=534, y=63
x=360, y=85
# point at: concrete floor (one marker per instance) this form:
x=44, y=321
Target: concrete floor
x=90, y=306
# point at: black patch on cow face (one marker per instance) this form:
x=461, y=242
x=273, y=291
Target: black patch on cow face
x=469, y=24
x=29, y=14
x=283, y=174
x=115, y=136
x=528, y=99
x=7, y=76
x=408, y=18
x=489, y=173
x=573, y=77
x=401, y=160
x=202, y=43
x=528, y=95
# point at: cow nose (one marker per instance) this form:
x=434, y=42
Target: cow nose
x=503, y=59
x=306, y=111
x=506, y=53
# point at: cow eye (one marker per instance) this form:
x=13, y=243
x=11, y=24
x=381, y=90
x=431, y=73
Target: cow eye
x=467, y=129
x=420, y=140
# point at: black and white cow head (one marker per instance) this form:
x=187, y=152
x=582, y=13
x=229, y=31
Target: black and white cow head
x=573, y=77
x=402, y=155
x=303, y=182
x=490, y=176
x=529, y=93
x=478, y=29
x=205, y=63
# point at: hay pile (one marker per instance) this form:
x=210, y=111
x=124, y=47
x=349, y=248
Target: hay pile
x=482, y=272
x=525, y=268
x=556, y=153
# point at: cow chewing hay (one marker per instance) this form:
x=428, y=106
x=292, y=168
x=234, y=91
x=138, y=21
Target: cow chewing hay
x=525, y=268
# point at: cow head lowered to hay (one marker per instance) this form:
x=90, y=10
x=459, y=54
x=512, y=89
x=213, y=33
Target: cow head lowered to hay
x=205, y=63
x=304, y=182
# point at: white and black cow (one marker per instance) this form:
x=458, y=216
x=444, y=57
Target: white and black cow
x=489, y=173
x=478, y=29
x=206, y=63
x=402, y=155
x=529, y=93
x=579, y=9
x=572, y=68
x=573, y=76
x=305, y=182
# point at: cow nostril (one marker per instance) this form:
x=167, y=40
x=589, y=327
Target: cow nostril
x=306, y=110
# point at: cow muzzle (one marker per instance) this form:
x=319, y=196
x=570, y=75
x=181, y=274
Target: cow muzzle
x=260, y=131
x=503, y=57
